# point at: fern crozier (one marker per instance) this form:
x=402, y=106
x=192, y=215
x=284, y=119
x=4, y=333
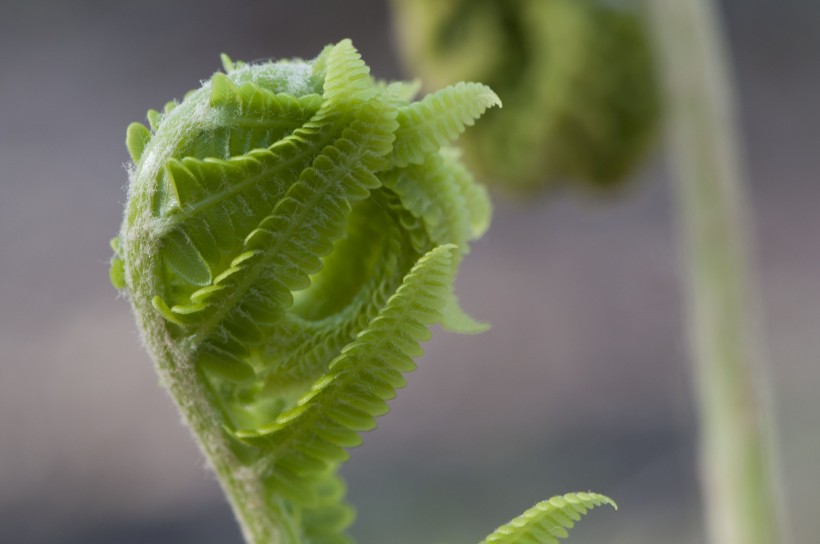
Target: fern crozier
x=292, y=229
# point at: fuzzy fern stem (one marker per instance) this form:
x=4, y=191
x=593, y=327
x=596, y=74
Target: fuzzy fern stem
x=738, y=477
x=259, y=521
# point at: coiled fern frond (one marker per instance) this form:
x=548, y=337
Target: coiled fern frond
x=291, y=231
x=576, y=77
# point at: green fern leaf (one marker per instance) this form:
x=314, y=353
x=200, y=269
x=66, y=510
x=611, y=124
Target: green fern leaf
x=347, y=76
x=136, y=139
x=360, y=380
x=548, y=521
x=438, y=120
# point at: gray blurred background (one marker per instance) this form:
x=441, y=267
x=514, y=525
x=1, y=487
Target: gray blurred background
x=581, y=384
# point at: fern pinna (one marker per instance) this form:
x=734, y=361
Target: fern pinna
x=292, y=229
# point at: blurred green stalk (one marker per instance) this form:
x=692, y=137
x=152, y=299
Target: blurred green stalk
x=741, y=491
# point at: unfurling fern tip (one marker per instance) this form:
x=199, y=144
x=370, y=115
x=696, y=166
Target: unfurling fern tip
x=292, y=230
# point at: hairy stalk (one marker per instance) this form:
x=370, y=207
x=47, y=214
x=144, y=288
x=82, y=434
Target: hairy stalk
x=259, y=522
x=738, y=473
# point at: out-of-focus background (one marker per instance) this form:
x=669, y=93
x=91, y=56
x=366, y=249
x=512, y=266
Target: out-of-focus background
x=582, y=383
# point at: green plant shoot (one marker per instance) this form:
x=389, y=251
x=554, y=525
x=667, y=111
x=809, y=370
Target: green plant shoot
x=292, y=230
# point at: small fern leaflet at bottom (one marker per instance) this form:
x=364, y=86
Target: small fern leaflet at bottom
x=548, y=520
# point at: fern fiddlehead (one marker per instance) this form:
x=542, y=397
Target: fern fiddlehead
x=576, y=78
x=291, y=231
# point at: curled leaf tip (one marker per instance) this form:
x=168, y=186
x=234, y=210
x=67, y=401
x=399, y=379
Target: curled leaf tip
x=292, y=231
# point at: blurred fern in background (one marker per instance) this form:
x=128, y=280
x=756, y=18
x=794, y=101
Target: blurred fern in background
x=576, y=76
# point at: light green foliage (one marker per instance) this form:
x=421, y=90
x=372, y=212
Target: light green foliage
x=548, y=521
x=292, y=230
x=576, y=77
